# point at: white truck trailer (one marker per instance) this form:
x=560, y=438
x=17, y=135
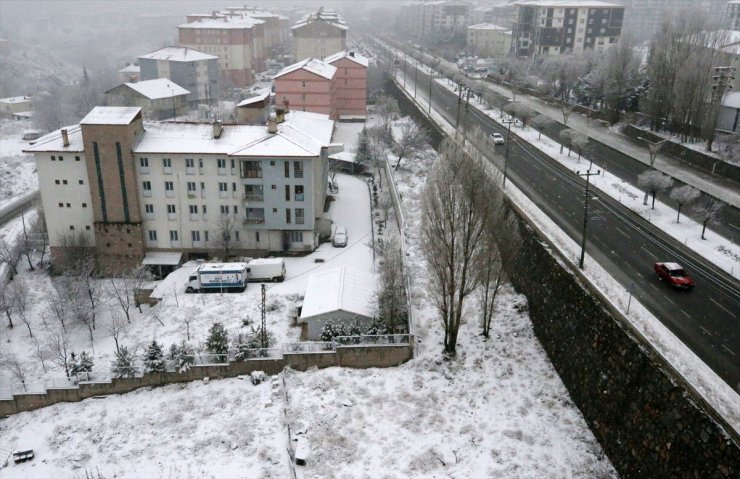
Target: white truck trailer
x=266, y=269
x=218, y=277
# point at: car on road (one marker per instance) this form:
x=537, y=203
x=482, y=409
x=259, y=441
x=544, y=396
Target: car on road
x=674, y=275
x=340, y=237
x=497, y=138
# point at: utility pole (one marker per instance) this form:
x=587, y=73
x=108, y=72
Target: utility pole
x=723, y=77
x=263, y=325
x=404, y=72
x=431, y=77
x=586, y=198
x=459, y=104
x=508, y=137
x=416, y=70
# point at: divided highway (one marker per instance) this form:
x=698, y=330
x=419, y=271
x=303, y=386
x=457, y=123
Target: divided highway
x=626, y=245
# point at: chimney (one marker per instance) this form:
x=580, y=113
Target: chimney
x=65, y=137
x=218, y=128
x=272, y=124
x=286, y=105
x=279, y=115
x=351, y=53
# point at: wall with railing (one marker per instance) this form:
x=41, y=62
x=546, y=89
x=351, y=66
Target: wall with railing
x=349, y=351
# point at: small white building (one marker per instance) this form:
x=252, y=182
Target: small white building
x=729, y=113
x=340, y=294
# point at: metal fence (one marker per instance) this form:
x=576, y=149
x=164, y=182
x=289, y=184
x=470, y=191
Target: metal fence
x=309, y=347
x=373, y=340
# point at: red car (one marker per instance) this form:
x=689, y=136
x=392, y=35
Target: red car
x=675, y=275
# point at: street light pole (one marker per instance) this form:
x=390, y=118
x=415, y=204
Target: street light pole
x=654, y=148
x=431, y=77
x=416, y=70
x=506, y=156
x=586, y=198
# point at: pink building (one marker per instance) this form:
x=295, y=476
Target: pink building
x=350, y=83
x=308, y=85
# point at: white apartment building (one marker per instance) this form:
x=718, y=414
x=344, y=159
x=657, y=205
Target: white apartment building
x=177, y=187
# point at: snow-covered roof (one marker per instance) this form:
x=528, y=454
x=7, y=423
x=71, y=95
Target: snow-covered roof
x=158, y=88
x=178, y=54
x=162, y=258
x=111, y=115
x=53, y=141
x=218, y=267
x=486, y=26
x=350, y=54
x=130, y=69
x=257, y=98
x=228, y=23
x=339, y=289
x=672, y=266
x=568, y=3
x=302, y=134
x=327, y=16
x=15, y=99
x=732, y=100
x=313, y=65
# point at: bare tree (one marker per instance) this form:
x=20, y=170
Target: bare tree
x=566, y=138
x=224, y=240
x=40, y=352
x=580, y=142
x=513, y=71
x=89, y=285
x=540, y=123
x=59, y=345
x=75, y=305
x=707, y=212
x=57, y=306
x=16, y=368
x=75, y=248
x=9, y=254
x=386, y=107
x=684, y=195
x=188, y=316
x=391, y=298
x=26, y=247
x=453, y=212
x=619, y=77
x=19, y=292
x=116, y=327
x=123, y=289
x=6, y=302
x=566, y=110
x=39, y=229
x=653, y=182
x=520, y=111
x=414, y=139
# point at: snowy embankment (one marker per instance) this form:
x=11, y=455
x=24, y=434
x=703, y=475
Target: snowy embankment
x=17, y=169
x=498, y=409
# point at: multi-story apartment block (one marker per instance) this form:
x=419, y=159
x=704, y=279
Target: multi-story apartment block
x=499, y=14
x=308, y=85
x=552, y=27
x=158, y=99
x=129, y=73
x=487, y=39
x=238, y=41
x=193, y=70
x=438, y=17
x=732, y=15
x=643, y=17
x=350, y=84
x=124, y=187
x=319, y=35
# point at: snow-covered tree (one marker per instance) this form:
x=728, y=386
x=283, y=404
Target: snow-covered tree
x=218, y=339
x=59, y=345
x=684, y=195
x=414, y=139
x=182, y=355
x=707, y=212
x=154, y=358
x=653, y=182
x=123, y=364
x=81, y=364
x=331, y=330
x=391, y=297
x=540, y=123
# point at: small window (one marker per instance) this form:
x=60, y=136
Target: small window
x=233, y=187
x=61, y=205
x=287, y=169
x=167, y=163
x=84, y=205
x=81, y=182
x=287, y=215
x=71, y=227
x=224, y=209
x=221, y=163
x=272, y=162
x=53, y=158
x=274, y=210
x=235, y=210
x=298, y=169
x=144, y=162
x=205, y=235
x=149, y=208
x=204, y=209
x=147, y=185
x=173, y=235
x=191, y=186
x=87, y=227
x=64, y=182
x=202, y=186
x=195, y=235
x=236, y=235
x=61, y=158
x=169, y=186
x=69, y=205
x=77, y=158
x=129, y=245
x=200, y=162
x=152, y=235
x=171, y=209
x=223, y=187
x=298, y=196
x=189, y=163
x=274, y=187
x=193, y=209
x=257, y=236
x=107, y=245
x=57, y=182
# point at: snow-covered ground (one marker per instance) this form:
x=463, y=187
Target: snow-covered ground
x=17, y=169
x=497, y=410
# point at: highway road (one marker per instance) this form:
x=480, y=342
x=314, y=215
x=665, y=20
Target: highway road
x=624, y=244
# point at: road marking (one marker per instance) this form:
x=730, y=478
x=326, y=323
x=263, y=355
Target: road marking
x=725, y=309
x=648, y=252
x=685, y=313
x=727, y=349
x=705, y=331
x=623, y=233
x=670, y=301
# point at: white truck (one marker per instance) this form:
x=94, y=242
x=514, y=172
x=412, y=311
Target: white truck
x=266, y=269
x=218, y=277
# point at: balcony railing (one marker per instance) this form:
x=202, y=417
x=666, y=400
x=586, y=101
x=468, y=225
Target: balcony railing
x=253, y=197
x=254, y=220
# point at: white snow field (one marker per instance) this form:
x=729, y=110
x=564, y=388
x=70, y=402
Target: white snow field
x=496, y=410
x=17, y=169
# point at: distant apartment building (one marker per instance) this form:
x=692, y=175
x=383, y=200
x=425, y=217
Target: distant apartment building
x=308, y=85
x=15, y=104
x=254, y=110
x=501, y=14
x=276, y=27
x=642, y=18
x=487, y=39
x=319, y=35
x=129, y=73
x=350, y=84
x=552, y=27
x=126, y=189
x=732, y=15
x=158, y=99
x=193, y=70
x=425, y=19
x=238, y=41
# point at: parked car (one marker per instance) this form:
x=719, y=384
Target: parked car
x=675, y=275
x=340, y=237
x=497, y=138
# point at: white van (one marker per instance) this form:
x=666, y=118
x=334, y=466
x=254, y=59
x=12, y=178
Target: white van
x=266, y=269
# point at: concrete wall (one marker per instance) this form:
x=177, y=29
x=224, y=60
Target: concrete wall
x=346, y=356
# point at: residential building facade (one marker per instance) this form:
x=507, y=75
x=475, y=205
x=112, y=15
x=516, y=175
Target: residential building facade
x=308, y=85
x=424, y=19
x=643, y=17
x=129, y=73
x=158, y=99
x=732, y=15
x=319, y=35
x=487, y=39
x=124, y=187
x=350, y=84
x=552, y=27
x=15, y=104
x=191, y=69
x=499, y=14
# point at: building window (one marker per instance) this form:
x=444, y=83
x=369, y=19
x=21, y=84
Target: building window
x=193, y=209
x=251, y=169
x=56, y=182
x=236, y=235
x=64, y=182
x=287, y=215
x=147, y=186
x=173, y=235
x=61, y=158
x=87, y=227
x=221, y=163
x=69, y=205
x=299, y=216
x=272, y=162
x=195, y=236
x=191, y=186
x=236, y=210
x=189, y=163
x=53, y=158
x=169, y=186
x=295, y=236
x=144, y=162
x=80, y=182
x=84, y=205
x=149, y=209
x=61, y=205
x=171, y=209
x=152, y=235
x=257, y=236
x=205, y=235
x=77, y=158
x=166, y=162
x=224, y=209
x=298, y=169
x=287, y=192
x=286, y=164
x=223, y=187
x=204, y=209
x=253, y=193
x=255, y=216
x=71, y=227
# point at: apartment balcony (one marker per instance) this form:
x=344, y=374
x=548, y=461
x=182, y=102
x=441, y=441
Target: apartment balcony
x=254, y=221
x=194, y=216
x=222, y=171
x=167, y=170
x=172, y=216
x=252, y=198
x=169, y=193
x=144, y=170
x=147, y=193
x=223, y=194
x=190, y=171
